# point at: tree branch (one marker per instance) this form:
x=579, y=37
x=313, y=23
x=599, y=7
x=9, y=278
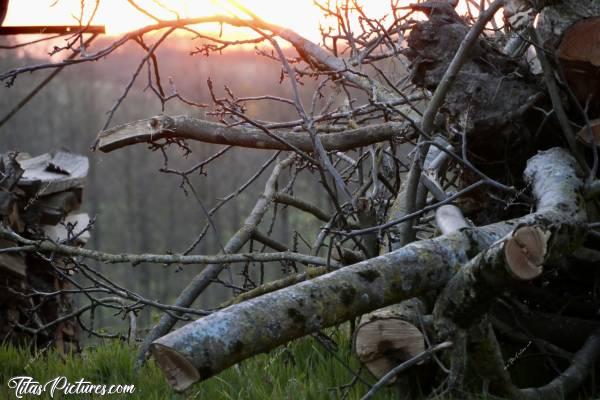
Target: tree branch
x=205, y=347
x=204, y=278
x=33, y=246
x=184, y=127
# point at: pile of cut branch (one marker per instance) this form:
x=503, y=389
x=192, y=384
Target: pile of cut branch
x=460, y=237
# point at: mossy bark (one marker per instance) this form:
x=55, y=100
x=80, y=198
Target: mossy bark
x=205, y=347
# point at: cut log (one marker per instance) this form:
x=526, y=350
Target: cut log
x=387, y=337
x=469, y=294
x=524, y=252
x=572, y=28
x=579, y=55
x=205, y=347
x=581, y=42
x=384, y=343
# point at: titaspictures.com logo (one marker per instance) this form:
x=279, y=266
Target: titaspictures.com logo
x=27, y=386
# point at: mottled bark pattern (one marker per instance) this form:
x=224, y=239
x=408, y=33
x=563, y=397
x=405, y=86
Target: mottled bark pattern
x=224, y=338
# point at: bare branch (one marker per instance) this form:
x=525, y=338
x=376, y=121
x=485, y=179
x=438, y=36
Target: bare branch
x=184, y=127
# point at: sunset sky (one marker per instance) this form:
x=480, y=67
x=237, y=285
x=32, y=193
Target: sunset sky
x=119, y=16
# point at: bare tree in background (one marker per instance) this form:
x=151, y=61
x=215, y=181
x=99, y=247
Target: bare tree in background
x=457, y=155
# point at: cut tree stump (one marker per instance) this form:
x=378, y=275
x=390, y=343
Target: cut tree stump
x=386, y=338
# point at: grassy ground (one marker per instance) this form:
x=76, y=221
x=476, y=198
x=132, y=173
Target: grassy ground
x=304, y=370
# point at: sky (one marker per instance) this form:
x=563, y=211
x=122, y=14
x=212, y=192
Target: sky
x=119, y=16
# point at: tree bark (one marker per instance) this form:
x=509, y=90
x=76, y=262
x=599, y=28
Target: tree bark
x=469, y=294
x=204, y=278
x=184, y=127
x=207, y=346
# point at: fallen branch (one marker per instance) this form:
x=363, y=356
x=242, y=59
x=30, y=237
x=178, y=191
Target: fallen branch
x=201, y=281
x=207, y=346
x=184, y=127
x=33, y=246
x=469, y=294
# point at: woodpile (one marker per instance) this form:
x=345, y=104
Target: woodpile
x=40, y=199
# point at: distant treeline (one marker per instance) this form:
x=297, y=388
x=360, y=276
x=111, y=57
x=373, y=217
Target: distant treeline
x=139, y=209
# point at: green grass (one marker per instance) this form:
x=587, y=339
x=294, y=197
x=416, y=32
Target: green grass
x=303, y=370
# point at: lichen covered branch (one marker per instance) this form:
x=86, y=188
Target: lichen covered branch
x=207, y=346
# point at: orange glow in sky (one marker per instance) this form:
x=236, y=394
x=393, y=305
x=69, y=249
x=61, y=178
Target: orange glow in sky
x=119, y=16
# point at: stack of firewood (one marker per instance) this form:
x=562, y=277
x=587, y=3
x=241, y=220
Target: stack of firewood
x=40, y=199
